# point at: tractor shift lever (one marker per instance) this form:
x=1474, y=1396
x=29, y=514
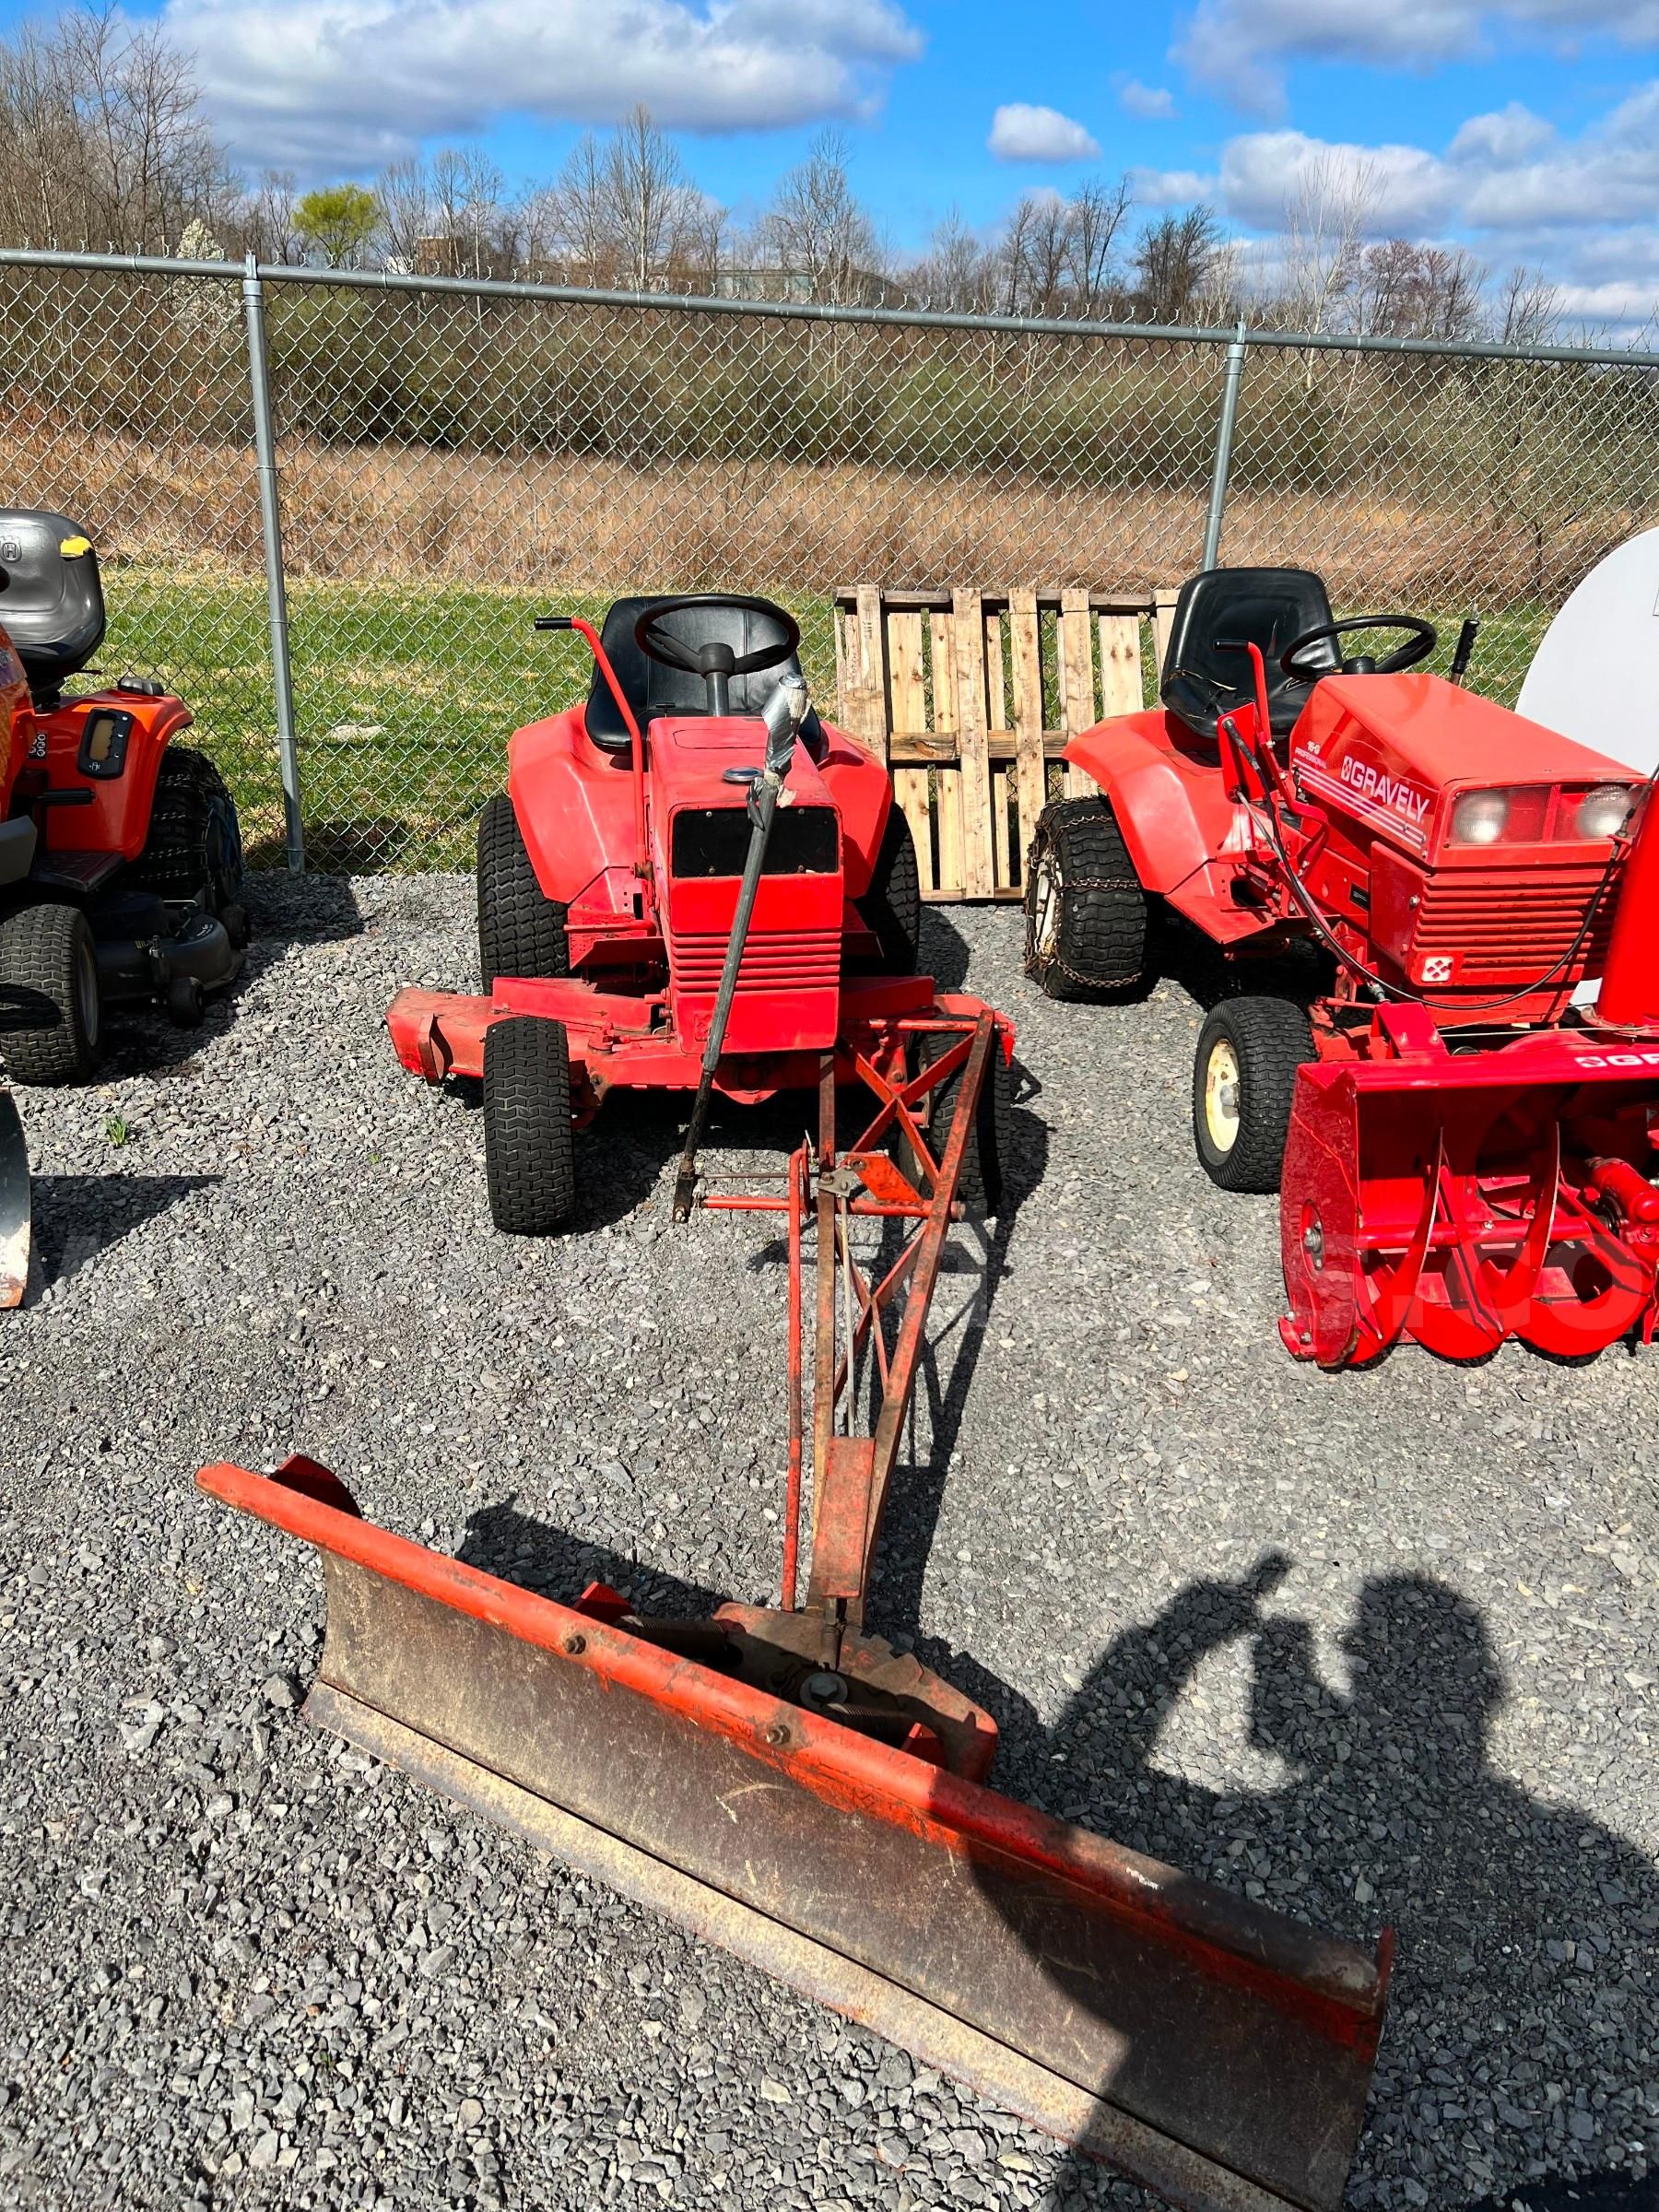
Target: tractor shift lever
x=783, y=713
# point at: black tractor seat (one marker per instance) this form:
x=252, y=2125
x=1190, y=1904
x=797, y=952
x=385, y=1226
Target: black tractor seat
x=51, y=599
x=1269, y=608
x=651, y=689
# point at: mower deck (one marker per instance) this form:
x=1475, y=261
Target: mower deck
x=620, y=1042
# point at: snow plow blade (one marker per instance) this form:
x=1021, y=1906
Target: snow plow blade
x=14, y=1204
x=1456, y=1199
x=1214, y=2051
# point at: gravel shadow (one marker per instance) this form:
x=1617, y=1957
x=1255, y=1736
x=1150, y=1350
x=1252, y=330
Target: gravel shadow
x=77, y=1218
x=1394, y=1811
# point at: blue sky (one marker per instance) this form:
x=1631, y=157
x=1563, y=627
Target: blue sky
x=1527, y=128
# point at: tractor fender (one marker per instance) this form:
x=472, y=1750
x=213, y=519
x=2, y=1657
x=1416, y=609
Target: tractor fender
x=862, y=793
x=1172, y=811
x=573, y=803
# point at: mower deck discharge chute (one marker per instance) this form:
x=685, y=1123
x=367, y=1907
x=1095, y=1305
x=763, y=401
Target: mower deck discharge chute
x=789, y=1786
x=1462, y=1122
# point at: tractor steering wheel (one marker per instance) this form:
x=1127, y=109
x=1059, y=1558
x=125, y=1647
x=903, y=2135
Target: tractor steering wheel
x=715, y=663
x=1420, y=642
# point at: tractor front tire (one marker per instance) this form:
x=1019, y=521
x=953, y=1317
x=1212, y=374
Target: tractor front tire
x=529, y=1145
x=194, y=845
x=1243, y=1085
x=1088, y=920
x=982, y=1181
x=892, y=905
x=520, y=929
x=51, y=1014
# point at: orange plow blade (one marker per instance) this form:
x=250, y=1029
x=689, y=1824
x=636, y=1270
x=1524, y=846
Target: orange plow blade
x=1459, y=1199
x=1212, y=2050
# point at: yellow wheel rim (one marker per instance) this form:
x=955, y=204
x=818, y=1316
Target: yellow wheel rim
x=1221, y=1096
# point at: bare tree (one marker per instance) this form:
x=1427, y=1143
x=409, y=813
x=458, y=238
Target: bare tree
x=1529, y=308
x=651, y=205
x=957, y=274
x=816, y=229
x=1097, y=214
x=1176, y=263
x=404, y=193
x=268, y=216
x=1326, y=218
x=102, y=142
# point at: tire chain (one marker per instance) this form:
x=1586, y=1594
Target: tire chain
x=1075, y=975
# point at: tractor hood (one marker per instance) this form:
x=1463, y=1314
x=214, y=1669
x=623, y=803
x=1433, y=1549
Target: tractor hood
x=1389, y=750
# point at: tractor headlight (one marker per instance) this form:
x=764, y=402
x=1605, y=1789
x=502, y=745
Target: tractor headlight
x=1604, y=811
x=1479, y=818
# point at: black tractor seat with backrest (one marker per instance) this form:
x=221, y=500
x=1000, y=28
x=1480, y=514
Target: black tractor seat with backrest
x=1271, y=607
x=651, y=689
x=51, y=599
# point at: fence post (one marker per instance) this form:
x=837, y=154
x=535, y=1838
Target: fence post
x=270, y=520
x=1224, y=441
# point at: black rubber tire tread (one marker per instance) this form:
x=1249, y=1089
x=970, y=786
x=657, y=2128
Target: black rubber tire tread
x=529, y=1145
x=1105, y=912
x=520, y=929
x=983, y=1176
x=43, y=1037
x=892, y=905
x=1271, y=1039
x=194, y=840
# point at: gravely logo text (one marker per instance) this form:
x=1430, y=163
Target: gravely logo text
x=1393, y=792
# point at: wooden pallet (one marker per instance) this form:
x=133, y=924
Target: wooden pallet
x=969, y=697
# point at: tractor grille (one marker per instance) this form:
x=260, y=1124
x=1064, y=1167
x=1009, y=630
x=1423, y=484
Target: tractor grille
x=780, y=960
x=1506, y=925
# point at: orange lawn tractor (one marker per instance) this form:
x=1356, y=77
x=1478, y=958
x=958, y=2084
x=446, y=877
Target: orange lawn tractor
x=121, y=864
x=1462, y=1120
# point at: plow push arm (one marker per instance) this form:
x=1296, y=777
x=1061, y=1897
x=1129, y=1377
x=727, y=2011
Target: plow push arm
x=785, y=1784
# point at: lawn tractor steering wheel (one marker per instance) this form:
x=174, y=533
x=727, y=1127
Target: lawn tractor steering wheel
x=715, y=663
x=1419, y=644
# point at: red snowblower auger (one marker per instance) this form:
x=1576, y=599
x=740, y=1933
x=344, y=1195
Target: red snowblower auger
x=1462, y=1125
x=779, y=1778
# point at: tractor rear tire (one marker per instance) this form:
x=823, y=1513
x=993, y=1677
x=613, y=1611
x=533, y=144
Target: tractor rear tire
x=51, y=1014
x=529, y=1145
x=982, y=1181
x=1088, y=919
x=892, y=906
x=520, y=929
x=194, y=840
x=1243, y=1083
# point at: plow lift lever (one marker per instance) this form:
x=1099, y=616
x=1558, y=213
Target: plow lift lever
x=784, y=712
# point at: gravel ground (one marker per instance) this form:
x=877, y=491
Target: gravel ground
x=1376, y=1648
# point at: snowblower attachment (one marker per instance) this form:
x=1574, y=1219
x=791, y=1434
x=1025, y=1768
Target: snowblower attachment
x=791, y=1788
x=1459, y=1198
x=15, y=1206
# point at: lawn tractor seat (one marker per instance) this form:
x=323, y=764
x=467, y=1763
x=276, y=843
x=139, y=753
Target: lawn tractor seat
x=1270, y=606
x=650, y=688
x=51, y=600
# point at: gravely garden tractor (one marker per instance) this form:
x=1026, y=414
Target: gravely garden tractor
x=779, y=1777
x=611, y=878
x=1460, y=1119
x=120, y=856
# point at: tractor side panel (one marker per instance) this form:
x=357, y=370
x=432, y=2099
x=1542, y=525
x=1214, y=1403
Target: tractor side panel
x=574, y=804
x=862, y=792
x=1173, y=812
x=118, y=818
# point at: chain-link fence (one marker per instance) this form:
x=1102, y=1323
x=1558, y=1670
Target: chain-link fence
x=451, y=459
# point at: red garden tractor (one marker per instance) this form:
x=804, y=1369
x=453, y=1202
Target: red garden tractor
x=666, y=904
x=120, y=854
x=1462, y=1117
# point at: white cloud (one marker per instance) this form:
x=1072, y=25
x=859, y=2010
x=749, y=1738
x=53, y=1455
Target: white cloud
x=1147, y=103
x=347, y=84
x=1170, y=187
x=1239, y=48
x=1020, y=132
x=1500, y=141
x=1404, y=187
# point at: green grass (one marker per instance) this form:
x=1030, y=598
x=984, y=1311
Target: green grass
x=406, y=695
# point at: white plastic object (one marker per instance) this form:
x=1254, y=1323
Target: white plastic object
x=1595, y=675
